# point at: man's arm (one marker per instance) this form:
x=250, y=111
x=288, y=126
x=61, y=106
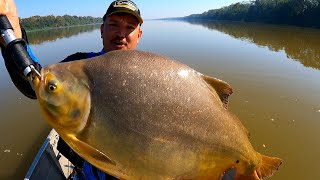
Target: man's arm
x=17, y=77
x=8, y=8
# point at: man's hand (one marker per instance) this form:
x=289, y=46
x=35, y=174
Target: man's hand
x=8, y=8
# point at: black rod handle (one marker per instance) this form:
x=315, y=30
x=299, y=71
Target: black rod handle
x=15, y=47
x=5, y=23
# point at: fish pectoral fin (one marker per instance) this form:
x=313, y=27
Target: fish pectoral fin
x=82, y=147
x=96, y=154
x=223, y=89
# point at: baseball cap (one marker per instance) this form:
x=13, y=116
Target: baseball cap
x=124, y=6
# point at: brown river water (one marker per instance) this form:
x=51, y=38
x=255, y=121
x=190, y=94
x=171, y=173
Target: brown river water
x=274, y=71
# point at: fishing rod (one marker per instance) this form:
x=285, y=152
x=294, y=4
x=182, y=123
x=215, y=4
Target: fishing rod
x=16, y=48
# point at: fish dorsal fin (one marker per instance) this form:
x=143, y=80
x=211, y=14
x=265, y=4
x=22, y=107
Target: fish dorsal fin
x=223, y=89
x=83, y=148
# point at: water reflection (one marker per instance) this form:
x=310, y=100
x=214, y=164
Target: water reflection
x=38, y=37
x=300, y=44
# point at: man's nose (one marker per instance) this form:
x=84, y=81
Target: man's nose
x=121, y=32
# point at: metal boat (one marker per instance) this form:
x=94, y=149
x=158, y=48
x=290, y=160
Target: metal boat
x=50, y=164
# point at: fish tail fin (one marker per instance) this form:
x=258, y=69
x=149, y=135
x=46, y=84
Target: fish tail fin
x=267, y=167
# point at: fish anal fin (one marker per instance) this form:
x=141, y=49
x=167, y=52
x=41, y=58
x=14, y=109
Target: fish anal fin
x=267, y=167
x=223, y=89
x=83, y=148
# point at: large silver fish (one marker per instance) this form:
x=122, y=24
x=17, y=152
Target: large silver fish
x=138, y=115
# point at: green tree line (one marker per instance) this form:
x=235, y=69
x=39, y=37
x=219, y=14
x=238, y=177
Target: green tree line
x=292, y=12
x=47, y=22
x=299, y=44
x=50, y=35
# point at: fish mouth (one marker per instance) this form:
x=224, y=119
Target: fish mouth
x=36, y=84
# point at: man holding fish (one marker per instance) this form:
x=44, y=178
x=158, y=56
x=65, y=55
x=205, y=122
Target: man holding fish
x=121, y=30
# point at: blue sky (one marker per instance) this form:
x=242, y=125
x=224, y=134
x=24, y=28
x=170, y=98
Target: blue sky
x=150, y=9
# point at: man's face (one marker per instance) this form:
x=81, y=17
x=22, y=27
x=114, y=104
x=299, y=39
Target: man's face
x=120, y=31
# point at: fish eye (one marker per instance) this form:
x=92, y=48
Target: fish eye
x=52, y=85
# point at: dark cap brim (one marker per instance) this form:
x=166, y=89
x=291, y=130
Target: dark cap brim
x=129, y=12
